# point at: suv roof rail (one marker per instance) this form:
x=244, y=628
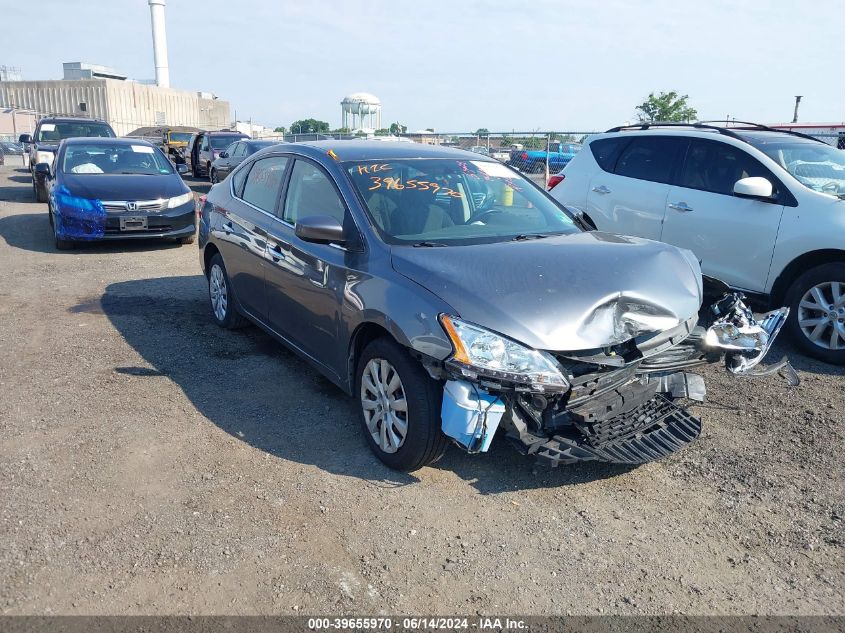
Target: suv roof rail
x=698, y=125
x=708, y=125
x=746, y=125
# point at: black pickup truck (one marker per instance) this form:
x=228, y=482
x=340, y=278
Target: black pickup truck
x=43, y=143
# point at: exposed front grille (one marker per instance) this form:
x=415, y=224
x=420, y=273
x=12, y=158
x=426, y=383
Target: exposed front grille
x=122, y=206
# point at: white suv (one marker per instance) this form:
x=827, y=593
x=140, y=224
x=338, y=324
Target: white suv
x=763, y=209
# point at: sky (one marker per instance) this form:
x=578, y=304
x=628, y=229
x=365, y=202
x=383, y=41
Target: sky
x=459, y=65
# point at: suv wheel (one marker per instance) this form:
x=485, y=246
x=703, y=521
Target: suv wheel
x=399, y=406
x=816, y=302
x=212, y=176
x=221, y=297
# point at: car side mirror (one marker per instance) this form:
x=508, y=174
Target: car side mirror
x=181, y=168
x=755, y=187
x=223, y=154
x=25, y=139
x=43, y=169
x=322, y=229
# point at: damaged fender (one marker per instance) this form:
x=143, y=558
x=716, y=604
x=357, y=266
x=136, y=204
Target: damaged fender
x=77, y=218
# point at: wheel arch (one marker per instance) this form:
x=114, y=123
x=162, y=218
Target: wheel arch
x=363, y=335
x=800, y=265
x=208, y=252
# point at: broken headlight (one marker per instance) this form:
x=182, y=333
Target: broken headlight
x=480, y=352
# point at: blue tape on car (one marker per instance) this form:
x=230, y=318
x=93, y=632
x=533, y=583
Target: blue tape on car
x=78, y=218
x=470, y=415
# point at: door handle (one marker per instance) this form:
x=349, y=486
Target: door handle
x=683, y=207
x=228, y=227
x=601, y=189
x=275, y=253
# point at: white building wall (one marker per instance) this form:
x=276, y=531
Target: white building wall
x=125, y=105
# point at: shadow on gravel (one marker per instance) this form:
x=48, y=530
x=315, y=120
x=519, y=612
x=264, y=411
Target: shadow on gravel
x=32, y=232
x=198, y=185
x=24, y=179
x=257, y=391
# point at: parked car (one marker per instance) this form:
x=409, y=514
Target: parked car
x=173, y=140
x=762, y=209
x=102, y=189
x=233, y=156
x=42, y=145
x=499, y=153
x=452, y=296
x=11, y=149
x=534, y=160
x=205, y=147
x=480, y=149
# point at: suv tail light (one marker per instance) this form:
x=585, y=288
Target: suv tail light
x=554, y=181
x=524, y=155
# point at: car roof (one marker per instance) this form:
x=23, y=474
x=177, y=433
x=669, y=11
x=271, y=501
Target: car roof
x=104, y=140
x=761, y=137
x=356, y=150
x=70, y=119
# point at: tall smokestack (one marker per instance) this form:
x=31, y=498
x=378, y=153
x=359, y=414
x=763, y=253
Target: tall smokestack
x=159, y=43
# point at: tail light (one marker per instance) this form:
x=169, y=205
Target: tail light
x=524, y=155
x=554, y=181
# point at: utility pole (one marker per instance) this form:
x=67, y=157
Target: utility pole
x=797, y=101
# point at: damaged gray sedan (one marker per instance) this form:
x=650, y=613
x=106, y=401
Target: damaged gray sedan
x=456, y=301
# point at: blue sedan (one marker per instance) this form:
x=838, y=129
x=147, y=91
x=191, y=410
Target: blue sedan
x=108, y=188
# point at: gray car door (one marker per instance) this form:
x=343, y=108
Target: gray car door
x=306, y=281
x=242, y=232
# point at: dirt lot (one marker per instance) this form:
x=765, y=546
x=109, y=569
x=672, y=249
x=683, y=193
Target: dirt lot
x=152, y=463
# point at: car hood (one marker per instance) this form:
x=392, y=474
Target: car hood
x=124, y=186
x=563, y=293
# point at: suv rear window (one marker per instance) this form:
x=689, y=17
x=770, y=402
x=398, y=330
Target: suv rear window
x=606, y=150
x=649, y=158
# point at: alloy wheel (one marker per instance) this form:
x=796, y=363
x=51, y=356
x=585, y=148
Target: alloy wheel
x=384, y=404
x=821, y=315
x=217, y=292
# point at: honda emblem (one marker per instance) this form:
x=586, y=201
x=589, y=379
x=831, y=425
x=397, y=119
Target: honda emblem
x=131, y=206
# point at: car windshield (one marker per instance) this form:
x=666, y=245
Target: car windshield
x=58, y=131
x=180, y=137
x=222, y=142
x=441, y=202
x=815, y=165
x=117, y=158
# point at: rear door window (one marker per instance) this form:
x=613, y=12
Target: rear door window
x=650, y=158
x=263, y=182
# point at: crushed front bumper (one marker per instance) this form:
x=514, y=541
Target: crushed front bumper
x=625, y=410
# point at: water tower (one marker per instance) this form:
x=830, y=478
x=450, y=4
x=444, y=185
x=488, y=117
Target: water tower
x=361, y=110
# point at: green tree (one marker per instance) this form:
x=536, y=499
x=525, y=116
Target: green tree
x=482, y=131
x=397, y=128
x=382, y=131
x=309, y=126
x=341, y=131
x=281, y=129
x=666, y=106
x=507, y=141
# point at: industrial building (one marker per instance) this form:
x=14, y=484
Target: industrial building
x=101, y=92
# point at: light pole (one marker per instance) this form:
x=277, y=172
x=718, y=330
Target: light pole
x=797, y=101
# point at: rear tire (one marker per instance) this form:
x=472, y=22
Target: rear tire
x=64, y=245
x=816, y=317
x=212, y=176
x=221, y=296
x=394, y=391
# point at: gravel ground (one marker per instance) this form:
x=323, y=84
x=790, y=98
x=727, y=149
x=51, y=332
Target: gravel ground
x=153, y=463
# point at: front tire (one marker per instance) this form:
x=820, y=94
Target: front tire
x=212, y=176
x=221, y=297
x=399, y=407
x=816, y=303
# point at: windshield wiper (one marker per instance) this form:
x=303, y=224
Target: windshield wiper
x=428, y=244
x=527, y=236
